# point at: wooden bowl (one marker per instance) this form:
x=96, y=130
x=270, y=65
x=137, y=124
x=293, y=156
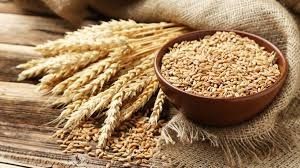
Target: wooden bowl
x=220, y=111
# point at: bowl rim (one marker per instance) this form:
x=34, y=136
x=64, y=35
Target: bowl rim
x=160, y=54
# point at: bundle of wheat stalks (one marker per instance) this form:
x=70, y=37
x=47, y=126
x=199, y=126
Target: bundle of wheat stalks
x=102, y=70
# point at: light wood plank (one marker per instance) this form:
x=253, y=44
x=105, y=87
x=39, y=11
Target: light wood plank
x=30, y=30
x=10, y=57
x=8, y=6
x=20, y=103
x=34, y=145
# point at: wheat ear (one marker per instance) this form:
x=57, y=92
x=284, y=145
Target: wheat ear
x=140, y=101
x=44, y=67
x=61, y=46
x=113, y=113
x=102, y=99
x=67, y=111
x=158, y=107
x=65, y=70
x=30, y=63
x=101, y=72
x=98, y=83
x=82, y=77
x=49, y=65
x=105, y=29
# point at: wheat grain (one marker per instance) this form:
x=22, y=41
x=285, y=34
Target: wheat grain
x=80, y=80
x=62, y=86
x=113, y=113
x=103, y=30
x=158, y=107
x=222, y=65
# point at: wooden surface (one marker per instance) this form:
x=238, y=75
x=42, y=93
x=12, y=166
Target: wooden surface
x=24, y=140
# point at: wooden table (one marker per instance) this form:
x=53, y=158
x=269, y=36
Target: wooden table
x=24, y=140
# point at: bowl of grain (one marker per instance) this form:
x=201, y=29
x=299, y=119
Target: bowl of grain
x=220, y=77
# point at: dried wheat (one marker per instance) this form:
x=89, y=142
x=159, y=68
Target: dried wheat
x=30, y=63
x=158, y=107
x=78, y=78
x=53, y=48
x=102, y=99
x=67, y=69
x=113, y=113
x=42, y=68
x=98, y=83
x=68, y=110
x=88, y=74
x=140, y=101
x=222, y=65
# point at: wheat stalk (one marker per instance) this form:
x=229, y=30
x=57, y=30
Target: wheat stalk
x=113, y=113
x=140, y=101
x=157, y=108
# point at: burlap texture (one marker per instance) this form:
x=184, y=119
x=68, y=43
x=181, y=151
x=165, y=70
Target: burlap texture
x=294, y=5
x=275, y=128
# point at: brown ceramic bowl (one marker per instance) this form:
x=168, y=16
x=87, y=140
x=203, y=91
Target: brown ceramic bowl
x=220, y=111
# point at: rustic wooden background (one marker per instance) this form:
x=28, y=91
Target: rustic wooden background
x=24, y=140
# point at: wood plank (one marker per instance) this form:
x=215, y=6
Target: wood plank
x=10, y=57
x=8, y=6
x=30, y=30
x=22, y=104
x=34, y=146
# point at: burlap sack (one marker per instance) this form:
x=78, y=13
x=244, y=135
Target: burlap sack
x=275, y=128
x=294, y=5
x=72, y=10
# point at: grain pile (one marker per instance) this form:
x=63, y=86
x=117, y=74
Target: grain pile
x=222, y=65
x=104, y=73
